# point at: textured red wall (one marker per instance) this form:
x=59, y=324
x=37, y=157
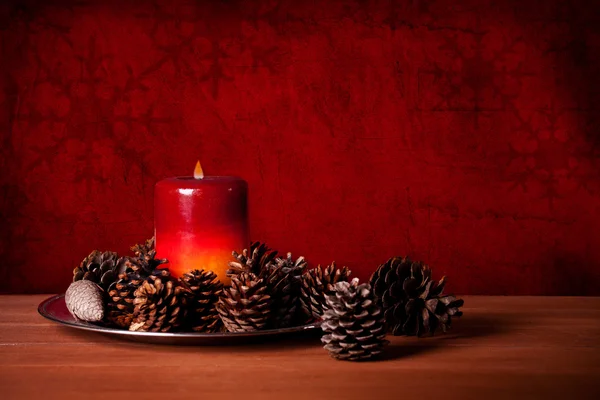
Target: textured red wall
x=462, y=133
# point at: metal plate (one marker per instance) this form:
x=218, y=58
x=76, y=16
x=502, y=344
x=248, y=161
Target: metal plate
x=55, y=309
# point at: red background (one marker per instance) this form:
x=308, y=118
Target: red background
x=465, y=134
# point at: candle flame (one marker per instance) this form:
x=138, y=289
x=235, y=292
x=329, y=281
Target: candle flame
x=198, y=173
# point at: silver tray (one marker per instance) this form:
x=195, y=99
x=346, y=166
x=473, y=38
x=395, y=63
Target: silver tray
x=55, y=309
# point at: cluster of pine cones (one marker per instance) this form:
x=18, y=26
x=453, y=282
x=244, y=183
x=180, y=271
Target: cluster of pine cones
x=268, y=291
x=139, y=294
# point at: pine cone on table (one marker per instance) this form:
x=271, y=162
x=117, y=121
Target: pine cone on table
x=413, y=304
x=204, y=290
x=100, y=267
x=353, y=322
x=254, y=260
x=245, y=305
x=428, y=312
x=318, y=282
x=159, y=305
x=284, y=282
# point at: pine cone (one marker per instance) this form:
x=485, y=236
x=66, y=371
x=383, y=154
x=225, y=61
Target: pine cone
x=145, y=261
x=254, y=261
x=316, y=283
x=246, y=304
x=145, y=250
x=84, y=300
x=121, y=294
x=99, y=267
x=353, y=322
x=413, y=304
x=204, y=290
x=284, y=282
x=159, y=305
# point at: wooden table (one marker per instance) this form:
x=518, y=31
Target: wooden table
x=503, y=348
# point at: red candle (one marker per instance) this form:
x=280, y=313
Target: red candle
x=199, y=220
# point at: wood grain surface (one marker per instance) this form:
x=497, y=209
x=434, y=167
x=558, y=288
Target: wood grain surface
x=503, y=348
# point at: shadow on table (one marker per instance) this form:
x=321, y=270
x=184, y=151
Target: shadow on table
x=476, y=326
x=396, y=351
x=471, y=327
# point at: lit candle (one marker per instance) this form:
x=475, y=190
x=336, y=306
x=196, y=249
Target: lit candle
x=199, y=220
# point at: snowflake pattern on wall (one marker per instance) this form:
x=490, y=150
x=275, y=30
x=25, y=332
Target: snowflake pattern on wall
x=452, y=117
